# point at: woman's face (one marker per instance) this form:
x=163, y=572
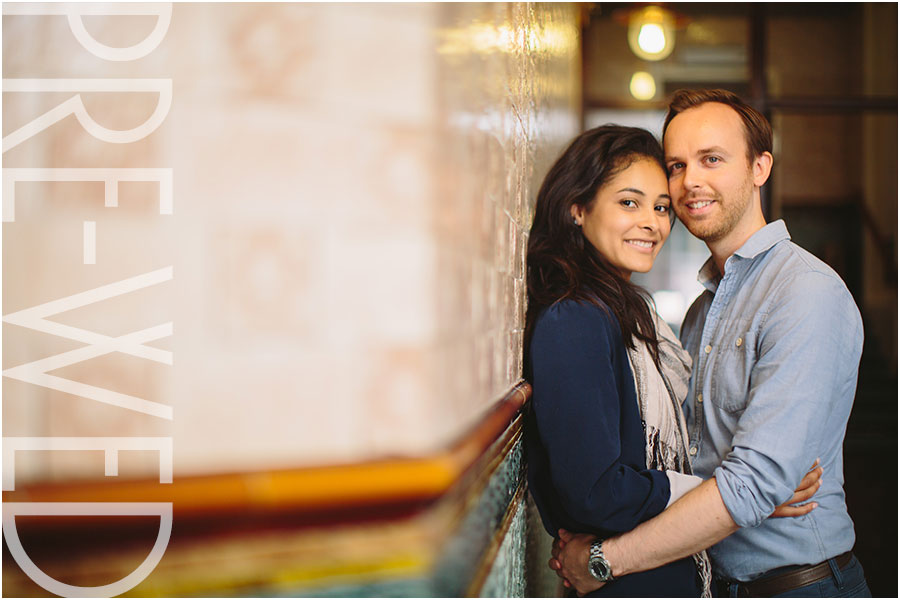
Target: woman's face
x=629, y=219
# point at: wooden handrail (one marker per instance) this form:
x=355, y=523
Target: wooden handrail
x=385, y=481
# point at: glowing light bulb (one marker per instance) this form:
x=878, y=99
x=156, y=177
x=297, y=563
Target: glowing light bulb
x=652, y=38
x=651, y=33
x=643, y=86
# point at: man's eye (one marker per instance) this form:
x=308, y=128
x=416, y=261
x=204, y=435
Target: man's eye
x=713, y=159
x=675, y=167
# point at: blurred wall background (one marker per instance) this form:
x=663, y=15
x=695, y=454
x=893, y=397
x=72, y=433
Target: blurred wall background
x=352, y=190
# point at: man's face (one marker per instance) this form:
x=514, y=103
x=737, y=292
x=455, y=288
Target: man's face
x=710, y=178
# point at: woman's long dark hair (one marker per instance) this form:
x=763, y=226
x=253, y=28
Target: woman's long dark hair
x=561, y=263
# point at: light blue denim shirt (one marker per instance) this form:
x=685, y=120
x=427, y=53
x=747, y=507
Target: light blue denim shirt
x=776, y=343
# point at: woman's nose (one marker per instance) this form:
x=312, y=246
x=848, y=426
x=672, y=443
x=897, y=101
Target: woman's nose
x=649, y=219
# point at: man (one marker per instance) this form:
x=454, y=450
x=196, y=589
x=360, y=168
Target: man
x=776, y=340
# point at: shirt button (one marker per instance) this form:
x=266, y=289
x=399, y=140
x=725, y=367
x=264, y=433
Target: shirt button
x=708, y=349
x=693, y=451
x=699, y=397
x=738, y=342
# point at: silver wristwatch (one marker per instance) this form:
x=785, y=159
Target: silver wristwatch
x=597, y=563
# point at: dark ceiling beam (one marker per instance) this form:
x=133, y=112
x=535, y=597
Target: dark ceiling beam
x=833, y=104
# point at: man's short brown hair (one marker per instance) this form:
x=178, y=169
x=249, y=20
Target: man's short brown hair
x=757, y=130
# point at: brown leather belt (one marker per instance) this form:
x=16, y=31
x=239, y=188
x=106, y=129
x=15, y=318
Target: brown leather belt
x=791, y=580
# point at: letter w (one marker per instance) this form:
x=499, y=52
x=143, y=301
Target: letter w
x=36, y=372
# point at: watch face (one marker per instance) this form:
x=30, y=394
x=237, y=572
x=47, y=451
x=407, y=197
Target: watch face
x=599, y=569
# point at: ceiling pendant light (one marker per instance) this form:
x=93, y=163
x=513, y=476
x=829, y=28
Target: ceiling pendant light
x=651, y=32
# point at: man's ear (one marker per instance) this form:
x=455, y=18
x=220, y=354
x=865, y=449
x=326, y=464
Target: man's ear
x=762, y=168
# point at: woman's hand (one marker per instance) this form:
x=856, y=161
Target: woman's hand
x=571, y=552
x=808, y=486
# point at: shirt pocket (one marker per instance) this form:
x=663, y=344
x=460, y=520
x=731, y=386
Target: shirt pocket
x=735, y=357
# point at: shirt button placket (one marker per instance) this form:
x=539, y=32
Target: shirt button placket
x=712, y=319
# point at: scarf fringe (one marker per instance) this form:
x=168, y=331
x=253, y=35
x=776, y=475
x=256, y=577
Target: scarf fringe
x=660, y=408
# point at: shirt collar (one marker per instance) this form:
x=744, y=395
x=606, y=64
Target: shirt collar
x=764, y=239
x=709, y=275
x=759, y=242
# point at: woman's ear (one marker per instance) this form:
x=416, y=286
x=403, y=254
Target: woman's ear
x=577, y=213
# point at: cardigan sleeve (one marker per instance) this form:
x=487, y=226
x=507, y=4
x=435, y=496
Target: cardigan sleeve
x=582, y=383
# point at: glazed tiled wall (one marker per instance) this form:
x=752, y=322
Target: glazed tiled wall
x=508, y=77
x=352, y=192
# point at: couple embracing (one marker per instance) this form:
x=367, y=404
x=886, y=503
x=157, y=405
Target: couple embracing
x=684, y=469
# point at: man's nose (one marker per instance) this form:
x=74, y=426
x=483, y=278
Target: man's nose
x=691, y=178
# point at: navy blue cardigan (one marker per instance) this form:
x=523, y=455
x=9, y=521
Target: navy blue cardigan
x=585, y=443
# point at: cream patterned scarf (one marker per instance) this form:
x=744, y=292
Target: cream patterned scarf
x=659, y=394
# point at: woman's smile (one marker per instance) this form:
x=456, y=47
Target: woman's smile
x=641, y=245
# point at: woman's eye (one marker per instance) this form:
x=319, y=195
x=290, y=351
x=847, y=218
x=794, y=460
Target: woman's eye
x=628, y=203
x=662, y=209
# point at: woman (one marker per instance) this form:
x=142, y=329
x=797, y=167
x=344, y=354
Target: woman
x=606, y=441
x=607, y=375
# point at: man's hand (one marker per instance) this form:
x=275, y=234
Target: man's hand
x=571, y=551
x=570, y=561
x=808, y=486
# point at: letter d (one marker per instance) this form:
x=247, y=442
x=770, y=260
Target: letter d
x=12, y=509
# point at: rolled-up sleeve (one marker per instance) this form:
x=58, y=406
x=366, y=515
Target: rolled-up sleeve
x=577, y=367
x=800, y=379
